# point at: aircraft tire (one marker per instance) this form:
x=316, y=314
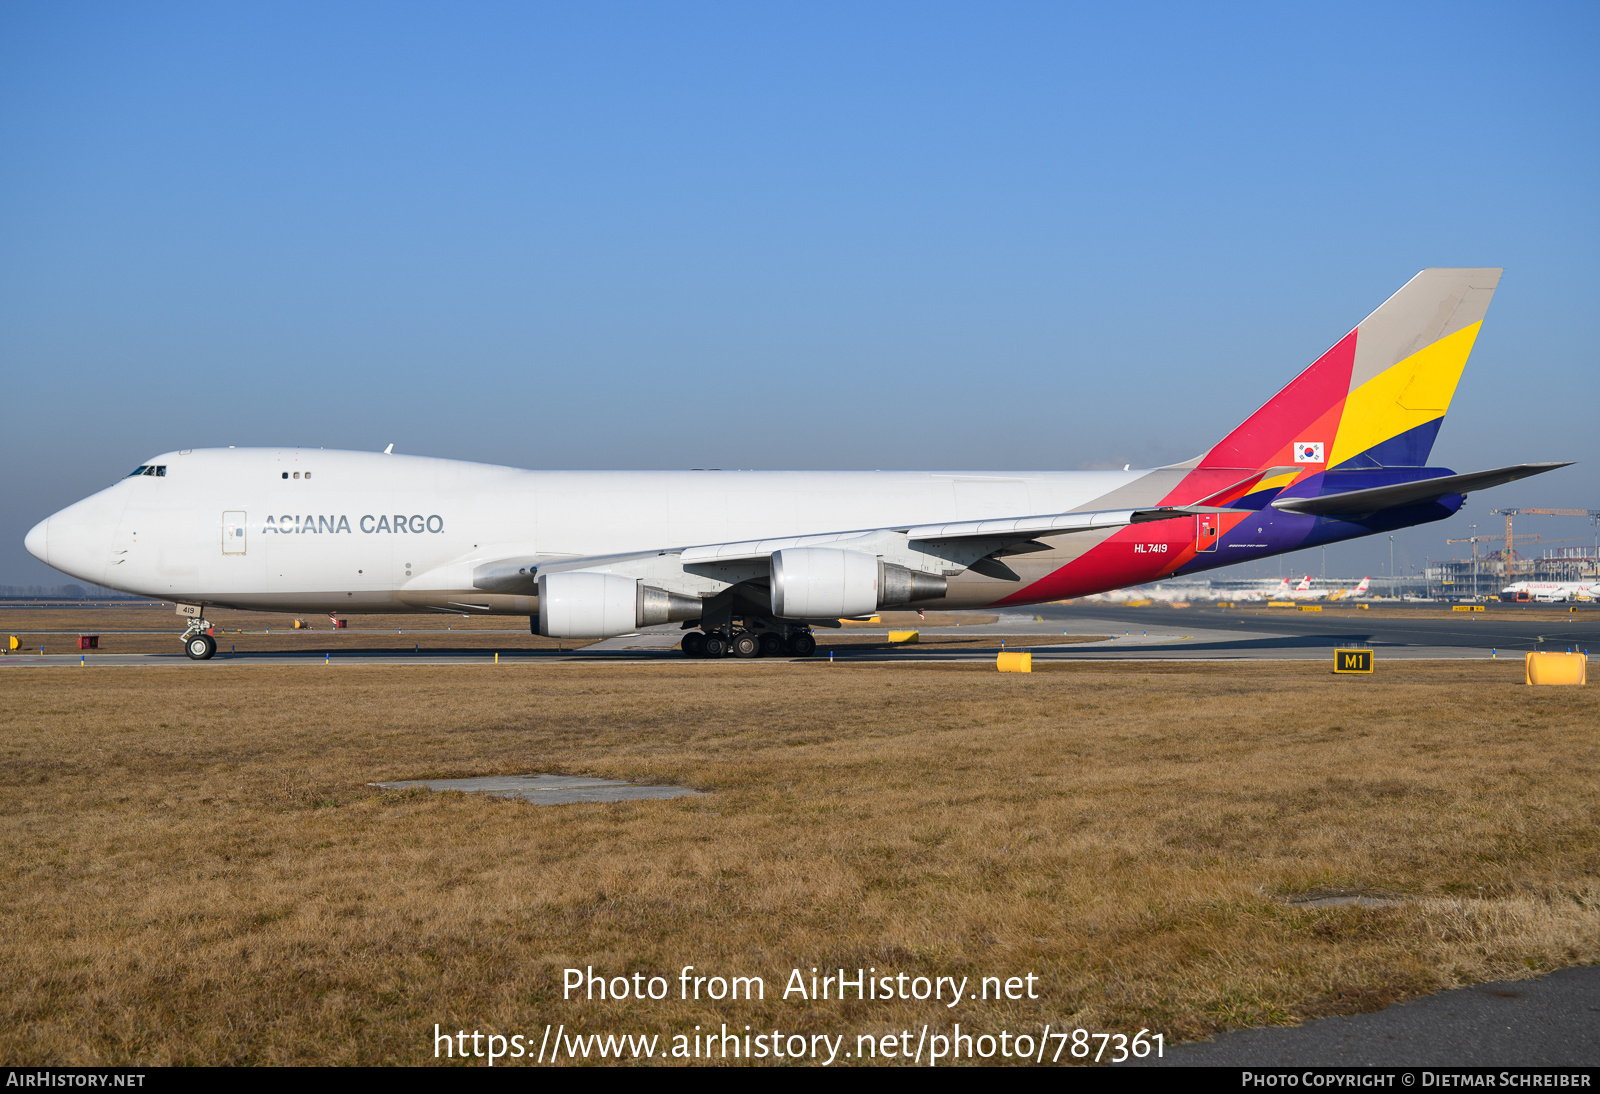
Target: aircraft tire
x=801, y=645
x=200, y=647
x=746, y=644
x=694, y=644
x=715, y=647
x=771, y=644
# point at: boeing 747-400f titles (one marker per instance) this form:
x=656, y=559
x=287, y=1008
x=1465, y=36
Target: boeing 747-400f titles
x=749, y=562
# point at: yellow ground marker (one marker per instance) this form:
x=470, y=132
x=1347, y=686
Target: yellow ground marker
x=1466, y=607
x=1282, y=604
x=1558, y=668
x=897, y=638
x=1014, y=662
x=1352, y=660
x=1311, y=607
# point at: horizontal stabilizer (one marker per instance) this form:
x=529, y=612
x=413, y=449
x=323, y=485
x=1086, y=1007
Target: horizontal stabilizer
x=1378, y=498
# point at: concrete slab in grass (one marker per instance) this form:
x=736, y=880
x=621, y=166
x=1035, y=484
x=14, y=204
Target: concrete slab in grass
x=550, y=789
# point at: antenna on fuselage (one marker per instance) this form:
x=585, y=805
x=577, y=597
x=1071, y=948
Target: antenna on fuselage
x=389, y=451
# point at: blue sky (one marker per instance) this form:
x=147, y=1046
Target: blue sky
x=689, y=235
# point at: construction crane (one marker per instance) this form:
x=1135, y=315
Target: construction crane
x=1592, y=514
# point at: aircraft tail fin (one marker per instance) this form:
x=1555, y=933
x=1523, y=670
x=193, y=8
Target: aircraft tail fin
x=1377, y=398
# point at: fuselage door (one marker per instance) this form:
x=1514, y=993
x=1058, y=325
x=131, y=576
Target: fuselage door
x=1207, y=531
x=233, y=526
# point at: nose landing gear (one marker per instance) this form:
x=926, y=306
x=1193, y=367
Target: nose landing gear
x=199, y=645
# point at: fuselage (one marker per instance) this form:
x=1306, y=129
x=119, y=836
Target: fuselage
x=316, y=530
x=319, y=530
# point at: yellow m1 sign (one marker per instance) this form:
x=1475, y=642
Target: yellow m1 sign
x=1352, y=660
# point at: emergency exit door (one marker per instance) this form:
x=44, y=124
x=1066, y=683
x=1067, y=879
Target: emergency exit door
x=233, y=529
x=1207, y=532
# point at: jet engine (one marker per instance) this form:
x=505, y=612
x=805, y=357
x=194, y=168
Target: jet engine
x=582, y=604
x=824, y=583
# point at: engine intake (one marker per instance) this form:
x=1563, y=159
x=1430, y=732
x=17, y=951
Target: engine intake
x=582, y=604
x=826, y=583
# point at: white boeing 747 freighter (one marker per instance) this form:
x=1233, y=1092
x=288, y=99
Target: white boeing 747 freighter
x=749, y=562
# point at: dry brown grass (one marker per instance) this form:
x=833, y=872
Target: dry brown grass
x=198, y=871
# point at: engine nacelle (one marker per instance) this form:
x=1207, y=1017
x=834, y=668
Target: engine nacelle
x=825, y=583
x=581, y=604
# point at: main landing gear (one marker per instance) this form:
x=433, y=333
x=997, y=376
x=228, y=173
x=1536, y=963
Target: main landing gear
x=778, y=640
x=199, y=645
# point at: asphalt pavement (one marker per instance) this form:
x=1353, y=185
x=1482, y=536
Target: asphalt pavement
x=1553, y=1020
x=1154, y=633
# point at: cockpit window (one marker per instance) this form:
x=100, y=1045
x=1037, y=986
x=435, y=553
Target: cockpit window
x=149, y=469
x=141, y=469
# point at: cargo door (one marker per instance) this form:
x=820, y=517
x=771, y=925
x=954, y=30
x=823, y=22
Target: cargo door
x=1207, y=532
x=233, y=529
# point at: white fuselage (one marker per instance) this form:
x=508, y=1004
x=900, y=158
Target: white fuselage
x=368, y=532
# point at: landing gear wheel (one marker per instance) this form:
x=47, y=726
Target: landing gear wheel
x=694, y=644
x=746, y=644
x=801, y=644
x=772, y=644
x=716, y=646
x=200, y=647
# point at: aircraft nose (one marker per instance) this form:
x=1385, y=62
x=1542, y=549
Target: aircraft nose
x=37, y=541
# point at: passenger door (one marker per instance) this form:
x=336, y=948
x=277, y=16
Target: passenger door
x=233, y=532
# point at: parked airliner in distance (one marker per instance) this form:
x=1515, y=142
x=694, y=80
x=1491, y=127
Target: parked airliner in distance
x=750, y=562
x=1550, y=592
x=1304, y=591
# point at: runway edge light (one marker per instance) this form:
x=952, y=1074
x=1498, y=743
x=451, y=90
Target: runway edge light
x=1557, y=668
x=1352, y=660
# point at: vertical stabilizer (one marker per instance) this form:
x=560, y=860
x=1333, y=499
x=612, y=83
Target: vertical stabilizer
x=1377, y=398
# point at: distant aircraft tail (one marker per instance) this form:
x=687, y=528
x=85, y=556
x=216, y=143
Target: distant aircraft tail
x=1305, y=585
x=1350, y=594
x=1374, y=401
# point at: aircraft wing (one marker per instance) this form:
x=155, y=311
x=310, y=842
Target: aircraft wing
x=952, y=533
x=944, y=549
x=1378, y=498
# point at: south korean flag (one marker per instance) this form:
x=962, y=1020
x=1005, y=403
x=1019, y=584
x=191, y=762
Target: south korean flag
x=1308, y=452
